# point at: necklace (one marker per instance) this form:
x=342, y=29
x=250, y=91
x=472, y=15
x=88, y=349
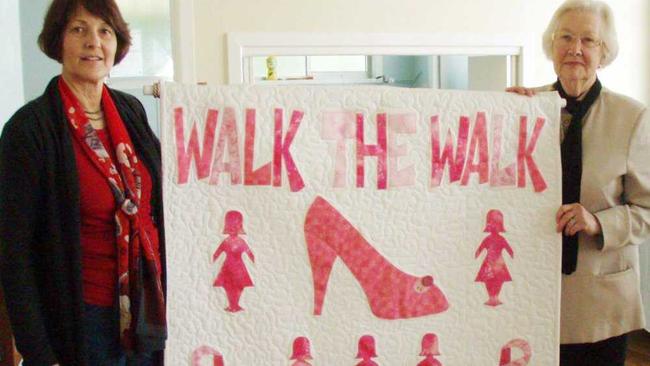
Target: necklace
x=95, y=116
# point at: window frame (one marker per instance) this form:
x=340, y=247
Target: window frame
x=242, y=45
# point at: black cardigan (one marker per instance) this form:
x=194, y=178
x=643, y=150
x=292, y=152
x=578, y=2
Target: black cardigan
x=40, y=258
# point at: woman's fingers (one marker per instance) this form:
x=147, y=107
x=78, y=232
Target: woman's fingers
x=562, y=217
x=569, y=219
x=574, y=226
x=521, y=90
x=573, y=218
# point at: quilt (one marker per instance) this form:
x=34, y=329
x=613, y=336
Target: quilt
x=310, y=225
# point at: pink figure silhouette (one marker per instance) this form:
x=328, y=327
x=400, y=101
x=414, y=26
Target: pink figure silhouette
x=233, y=276
x=366, y=351
x=505, y=359
x=391, y=293
x=429, y=350
x=301, y=352
x=493, y=271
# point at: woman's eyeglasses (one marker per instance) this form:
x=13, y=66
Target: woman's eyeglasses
x=566, y=39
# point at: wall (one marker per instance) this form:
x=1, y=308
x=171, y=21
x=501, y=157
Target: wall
x=213, y=19
x=38, y=69
x=11, y=94
x=488, y=72
x=630, y=72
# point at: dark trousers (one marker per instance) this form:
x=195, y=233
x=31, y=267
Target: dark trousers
x=609, y=352
x=102, y=334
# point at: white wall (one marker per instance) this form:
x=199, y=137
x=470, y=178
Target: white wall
x=488, y=72
x=213, y=19
x=11, y=79
x=630, y=72
x=38, y=69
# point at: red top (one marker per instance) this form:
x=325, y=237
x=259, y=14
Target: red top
x=98, y=245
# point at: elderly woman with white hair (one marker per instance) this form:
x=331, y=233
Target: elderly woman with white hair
x=605, y=212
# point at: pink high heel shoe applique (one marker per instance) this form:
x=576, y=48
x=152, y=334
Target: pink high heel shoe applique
x=505, y=359
x=391, y=293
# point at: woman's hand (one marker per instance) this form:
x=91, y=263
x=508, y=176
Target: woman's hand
x=521, y=90
x=573, y=218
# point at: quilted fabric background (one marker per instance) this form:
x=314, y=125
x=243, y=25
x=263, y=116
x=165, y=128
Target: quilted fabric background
x=420, y=229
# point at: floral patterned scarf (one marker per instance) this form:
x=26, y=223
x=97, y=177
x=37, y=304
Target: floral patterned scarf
x=141, y=300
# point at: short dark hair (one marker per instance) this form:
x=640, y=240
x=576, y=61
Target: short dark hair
x=58, y=15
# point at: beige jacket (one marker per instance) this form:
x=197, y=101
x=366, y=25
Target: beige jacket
x=602, y=298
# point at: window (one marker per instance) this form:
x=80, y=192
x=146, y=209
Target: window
x=439, y=72
x=446, y=61
x=342, y=69
x=150, y=54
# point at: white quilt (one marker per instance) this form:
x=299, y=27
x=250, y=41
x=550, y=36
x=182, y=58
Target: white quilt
x=434, y=211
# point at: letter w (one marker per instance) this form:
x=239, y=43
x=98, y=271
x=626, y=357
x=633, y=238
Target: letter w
x=202, y=157
x=456, y=163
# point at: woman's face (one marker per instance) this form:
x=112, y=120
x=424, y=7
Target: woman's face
x=577, y=49
x=89, y=46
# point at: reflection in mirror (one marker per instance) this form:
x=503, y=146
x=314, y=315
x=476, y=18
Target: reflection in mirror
x=437, y=72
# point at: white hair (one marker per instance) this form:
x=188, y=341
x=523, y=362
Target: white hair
x=607, y=30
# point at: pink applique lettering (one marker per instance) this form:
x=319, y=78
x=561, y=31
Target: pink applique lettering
x=479, y=139
x=227, y=136
x=262, y=175
x=403, y=123
x=456, y=162
x=202, y=156
x=338, y=126
x=499, y=177
x=378, y=150
x=525, y=155
x=281, y=151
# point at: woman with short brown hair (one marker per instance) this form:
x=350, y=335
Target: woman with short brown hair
x=82, y=262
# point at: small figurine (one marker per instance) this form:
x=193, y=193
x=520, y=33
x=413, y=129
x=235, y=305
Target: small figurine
x=271, y=66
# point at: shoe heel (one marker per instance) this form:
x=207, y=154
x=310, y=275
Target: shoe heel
x=321, y=258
